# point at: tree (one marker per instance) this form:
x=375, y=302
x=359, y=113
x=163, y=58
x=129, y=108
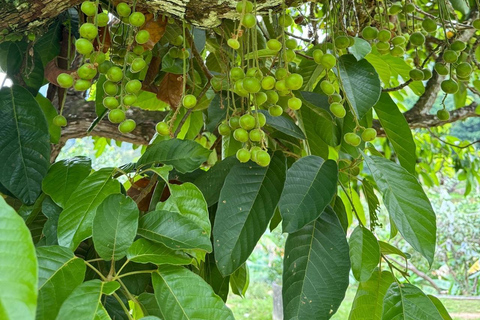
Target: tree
x=270, y=118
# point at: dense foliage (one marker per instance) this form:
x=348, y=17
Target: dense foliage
x=270, y=120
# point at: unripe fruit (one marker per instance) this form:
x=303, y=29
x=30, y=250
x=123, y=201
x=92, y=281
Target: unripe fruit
x=233, y=43
x=234, y=122
x=123, y=10
x=83, y=46
x=464, y=69
x=239, y=89
x=127, y=126
x=142, y=36
x=163, y=129
x=272, y=96
x=458, y=45
x=441, y=69
x=60, y=121
x=342, y=42
x=274, y=44
x=417, y=39
x=263, y=158
x=97, y=57
x=262, y=120
x=450, y=56
x=398, y=40
x=285, y=21
x=247, y=121
x=427, y=74
x=254, y=152
x=110, y=88
x=281, y=73
x=328, y=61
x=268, y=83
x=255, y=73
x=294, y=103
x=82, y=85
x=88, y=31
x=224, y=129
x=110, y=102
x=338, y=110
x=409, y=7
x=416, y=74
x=397, y=51
x=137, y=19
x=237, y=73
x=290, y=55
x=102, y=19
x=449, y=86
x=317, y=55
x=243, y=155
x=383, y=46
x=133, y=86
x=217, y=83
x=352, y=139
x=87, y=71
x=138, y=49
x=429, y=25
x=89, y=8
x=334, y=98
x=129, y=99
x=443, y=114
x=280, y=86
x=189, y=101
x=116, y=116
x=369, y=134
x=105, y=66
x=291, y=44
x=369, y=33
x=394, y=9
x=384, y=35
x=327, y=87
x=260, y=98
x=248, y=7
x=275, y=111
x=249, y=20
x=476, y=24
x=256, y=135
x=137, y=65
x=114, y=74
x=252, y=85
x=241, y=135
x=65, y=80
x=294, y=81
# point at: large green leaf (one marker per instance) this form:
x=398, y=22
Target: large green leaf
x=59, y=273
x=398, y=66
x=284, y=124
x=310, y=186
x=184, y=155
x=48, y=45
x=18, y=267
x=368, y=302
x=239, y=280
x=406, y=203
x=24, y=144
x=364, y=253
x=75, y=221
x=360, y=82
x=83, y=303
x=397, y=130
x=145, y=251
x=115, y=226
x=246, y=205
x=405, y=301
x=310, y=71
x=315, y=269
x=64, y=176
x=50, y=112
x=183, y=295
x=212, y=276
x=174, y=230
x=360, y=48
x=440, y=307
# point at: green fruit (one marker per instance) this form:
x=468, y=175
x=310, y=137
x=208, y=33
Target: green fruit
x=317, y=55
x=294, y=103
x=233, y=43
x=87, y=71
x=263, y=158
x=274, y=44
x=65, y=80
x=342, y=42
x=369, y=134
x=241, y=135
x=338, y=110
x=416, y=74
x=82, y=85
x=476, y=24
x=239, y=89
x=369, y=33
x=234, y=122
x=262, y=120
x=163, y=129
x=281, y=73
x=427, y=74
x=441, y=69
x=260, y=98
x=247, y=121
x=268, y=83
x=294, y=81
x=243, y=155
x=110, y=102
x=254, y=152
x=217, y=83
x=285, y=21
x=252, y=85
x=105, y=66
x=291, y=44
x=254, y=72
x=142, y=36
x=137, y=65
x=429, y=25
x=110, y=88
x=249, y=20
x=237, y=73
x=31, y=37
x=102, y=19
x=334, y=98
x=327, y=87
x=397, y=51
x=417, y=39
x=89, y=8
x=409, y=7
x=129, y=99
x=127, y=126
x=290, y=55
x=383, y=46
x=83, y=46
x=450, y=56
x=476, y=84
x=464, y=69
x=224, y=129
x=256, y=135
x=458, y=45
x=123, y=9
x=443, y=114
x=272, y=96
x=97, y=57
x=60, y=121
x=328, y=61
x=384, y=35
x=115, y=74
x=189, y=101
x=178, y=41
x=138, y=49
x=394, y=9
x=280, y=86
x=88, y=31
x=398, y=40
x=116, y=115
x=352, y=139
x=275, y=111
x=247, y=5
x=137, y=19
x=449, y=86
x=133, y=86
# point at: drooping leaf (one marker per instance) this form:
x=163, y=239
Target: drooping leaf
x=440, y=307
x=64, y=176
x=18, y=267
x=360, y=82
x=284, y=124
x=372, y=200
x=50, y=112
x=239, y=280
x=397, y=131
x=183, y=155
x=173, y=291
x=368, y=302
x=24, y=144
x=310, y=186
x=406, y=203
x=364, y=253
x=145, y=251
x=59, y=273
x=115, y=226
x=212, y=276
x=405, y=301
x=315, y=271
x=360, y=48
x=83, y=303
x=246, y=205
x=75, y=222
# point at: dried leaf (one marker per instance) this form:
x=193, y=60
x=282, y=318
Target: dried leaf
x=51, y=72
x=156, y=28
x=171, y=89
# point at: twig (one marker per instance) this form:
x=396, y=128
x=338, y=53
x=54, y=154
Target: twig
x=451, y=144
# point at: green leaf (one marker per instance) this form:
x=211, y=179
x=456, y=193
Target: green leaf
x=24, y=144
x=310, y=186
x=212, y=276
x=59, y=273
x=398, y=66
x=405, y=301
x=173, y=65
x=397, y=130
x=386, y=249
x=148, y=101
x=315, y=269
x=48, y=45
x=262, y=53
x=368, y=302
x=406, y=203
x=284, y=124
x=239, y=280
x=83, y=303
x=310, y=71
x=33, y=73
x=372, y=200
x=75, y=221
x=246, y=205
x=174, y=230
x=149, y=304
x=177, y=301
x=50, y=112
x=382, y=68
x=11, y=57
x=440, y=307
x=18, y=267
x=99, y=95
x=360, y=82
x=184, y=155
x=360, y=48
x=64, y=176
x=110, y=287
x=115, y=226
x=145, y=251
x=364, y=253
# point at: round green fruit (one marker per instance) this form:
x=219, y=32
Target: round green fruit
x=142, y=36
x=244, y=5
x=110, y=88
x=280, y=86
x=429, y=25
x=97, y=57
x=476, y=24
x=443, y=114
x=262, y=120
x=110, y=102
x=334, y=98
x=224, y=129
x=129, y=99
x=65, y=80
x=116, y=116
x=294, y=103
x=88, y=31
x=137, y=19
x=105, y=66
x=127, y=126
x=178, y=41
x=338, y=110
x=342, y=42
x=247, y=121
x=409, y=7
x=243, y=155
x=256, y=135
x=281, y=73
x=123, y=9
x=398, y=40
x=450, y=56
x=274, y=44
x=241, y=135
x=369, y=134
x=441, y=69
x=102, y=19
x=133, y=86
x=464, y=69
x=260, y=98
x=138, y=49
x=291, y=44
x=458, y=45
x=189, y=101
x=252, y=85
x=328, y=61
x=327, y=87
x=383, y=46
x=397, y=51
x=217, y=83
x=254, y=152
x=83, y=46
x=427, y=74
x=263, y=158
x=87, y=71
x=417, y=39
x=234, y=122
x=317, y=55
x=294, y=81
x=416, y=74
x=233, y=43
x=268, y=83
x=60, y=121
x=369, y=33
x=395, y=9
x=137, y=65
x=237, y=73
x=162, y=129
x=285, y=20
x=82, y=85
x=272, y=96
x=115, y=74
x=275, y=111
x=384, y=35
x=249, y=20
x=89, y=8
x=449, y=86
x=352, y=139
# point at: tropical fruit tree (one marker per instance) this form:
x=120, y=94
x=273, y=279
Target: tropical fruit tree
x=252, y=116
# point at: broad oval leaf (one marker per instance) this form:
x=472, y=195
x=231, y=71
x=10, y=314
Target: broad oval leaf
x=310, y=186
x=284, y=124
x=64, y=176
x=75, y=221
x=145, y=251
x=360, y=82
x=246, y=205
x=364, y=253
x=184, y=155
x=18, y=267
x=315, y=269
x=440, y=307
x=24, y=144
x=173, y=230
x=83, y=303
x=360, y=48
x=406, y=203
x=59, y=273
x=397, y=131
x=173, y=291
x=405, y=301
x=368, y=302
x=115, y=226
